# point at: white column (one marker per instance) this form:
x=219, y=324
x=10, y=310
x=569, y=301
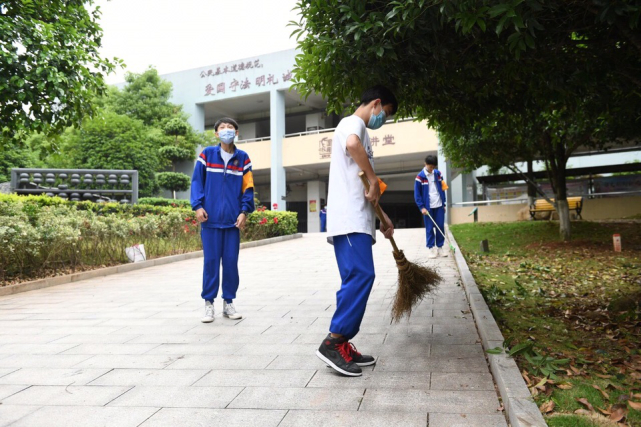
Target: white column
x=315, y=192
x=277, y=131
x=197, y=121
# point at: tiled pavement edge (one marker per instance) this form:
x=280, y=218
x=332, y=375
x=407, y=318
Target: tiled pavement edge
x=123, y=268
x=128, y=349
x=520, y=408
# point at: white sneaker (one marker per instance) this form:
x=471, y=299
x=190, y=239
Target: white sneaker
x=442, y=252
x=229, y=311
x=209, y=313
x=432, y=252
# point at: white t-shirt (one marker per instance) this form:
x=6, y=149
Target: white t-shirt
x=348, y=211
x=226, y=156
x=435, y=197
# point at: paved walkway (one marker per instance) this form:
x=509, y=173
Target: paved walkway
x=129, y=349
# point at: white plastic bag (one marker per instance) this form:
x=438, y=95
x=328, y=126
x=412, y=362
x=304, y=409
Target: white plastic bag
x=136, y=253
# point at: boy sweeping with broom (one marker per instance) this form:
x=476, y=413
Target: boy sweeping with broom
x=351, y=226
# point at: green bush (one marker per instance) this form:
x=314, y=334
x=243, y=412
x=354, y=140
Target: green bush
x=160, y=201
x=42, y=236
x=173, y=181
x=263, y=224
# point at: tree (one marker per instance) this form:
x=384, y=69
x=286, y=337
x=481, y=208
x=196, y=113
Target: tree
x=113, y=141
x=50, y=67
x=145, y=97
x=173, y=181
x=492, y=93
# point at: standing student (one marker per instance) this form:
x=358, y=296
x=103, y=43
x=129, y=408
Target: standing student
x=352, y=228
x=222, y=194
x=429, y=195
x=323, y=219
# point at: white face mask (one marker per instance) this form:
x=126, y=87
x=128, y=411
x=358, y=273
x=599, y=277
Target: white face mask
x=227, y=135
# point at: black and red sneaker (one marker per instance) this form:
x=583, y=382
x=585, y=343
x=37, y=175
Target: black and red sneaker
x=337, y=354
x=360, y=359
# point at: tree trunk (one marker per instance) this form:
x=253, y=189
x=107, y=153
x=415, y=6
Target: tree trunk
x=557, y=162
x=531, y=189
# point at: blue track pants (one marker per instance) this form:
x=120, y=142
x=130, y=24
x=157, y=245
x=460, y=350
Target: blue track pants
x=438, y=214
x=356, y=267
x=220, y=244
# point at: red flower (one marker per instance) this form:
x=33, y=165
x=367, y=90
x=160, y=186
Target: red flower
x=263, y=221
x=187, y=219
x=194, y=222
x=275, y=220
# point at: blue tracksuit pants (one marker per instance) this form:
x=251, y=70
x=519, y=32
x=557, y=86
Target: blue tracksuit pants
x=220, y=244
x=438, y=214
x=356, y=266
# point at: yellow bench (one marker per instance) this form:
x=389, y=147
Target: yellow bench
x=542, y=205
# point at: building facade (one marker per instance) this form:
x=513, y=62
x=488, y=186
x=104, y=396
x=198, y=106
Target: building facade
x=289, y=139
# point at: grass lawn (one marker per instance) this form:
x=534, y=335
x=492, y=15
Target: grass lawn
x=570, y=313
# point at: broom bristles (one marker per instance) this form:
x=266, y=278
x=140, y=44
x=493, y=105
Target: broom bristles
x=414, y=282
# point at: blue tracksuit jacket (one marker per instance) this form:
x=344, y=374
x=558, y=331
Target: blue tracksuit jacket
x=422, y=188
x=222, y=192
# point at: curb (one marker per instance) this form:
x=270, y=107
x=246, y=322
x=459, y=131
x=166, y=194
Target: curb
x=123, y=268
x=520, y=408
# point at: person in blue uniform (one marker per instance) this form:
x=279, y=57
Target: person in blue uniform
x=429, y=195
x=351, y=227
x=323, y=219
x=222, y=195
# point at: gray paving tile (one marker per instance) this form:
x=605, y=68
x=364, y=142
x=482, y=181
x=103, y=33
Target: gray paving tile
x=95, y=339
x=467, y=420
x=298, y=418
x=404, y=364
x=462, y=381
x=431, y=401
x=144, y=361
x=42, y=361
x=298, y=398
x=83, y=416
x=178, y=397
x=27, y=338
x=66, y=395
x=150, y=377
x=6, y=371
x=7, y=390
x=171, y=339
x=105, y=349
x=9, y=414
x=257, y=378
x=197, y=348
x=327, y=378
x=197, y=417
x=221, y=362
x=447, y=351
x=52, y=376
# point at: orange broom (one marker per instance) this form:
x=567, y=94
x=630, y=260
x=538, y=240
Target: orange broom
x=414, y=281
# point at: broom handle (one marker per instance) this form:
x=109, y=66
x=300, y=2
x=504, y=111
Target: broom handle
x=379, y=211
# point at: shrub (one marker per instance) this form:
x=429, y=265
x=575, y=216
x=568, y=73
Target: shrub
x=263, y=224
x=159, y=201
x=173, y=181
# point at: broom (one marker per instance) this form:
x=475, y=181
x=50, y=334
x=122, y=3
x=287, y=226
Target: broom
x=414, y=281
x=452, y=248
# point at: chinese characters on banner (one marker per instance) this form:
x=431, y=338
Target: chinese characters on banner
x=325, y=145
x=264, y=80
x=233, y=69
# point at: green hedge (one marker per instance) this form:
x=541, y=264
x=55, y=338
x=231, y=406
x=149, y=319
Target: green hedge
x=41, y=236
x=159, y=201
x=263, y=224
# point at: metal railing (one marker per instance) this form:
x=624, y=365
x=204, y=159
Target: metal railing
x=77, y=184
